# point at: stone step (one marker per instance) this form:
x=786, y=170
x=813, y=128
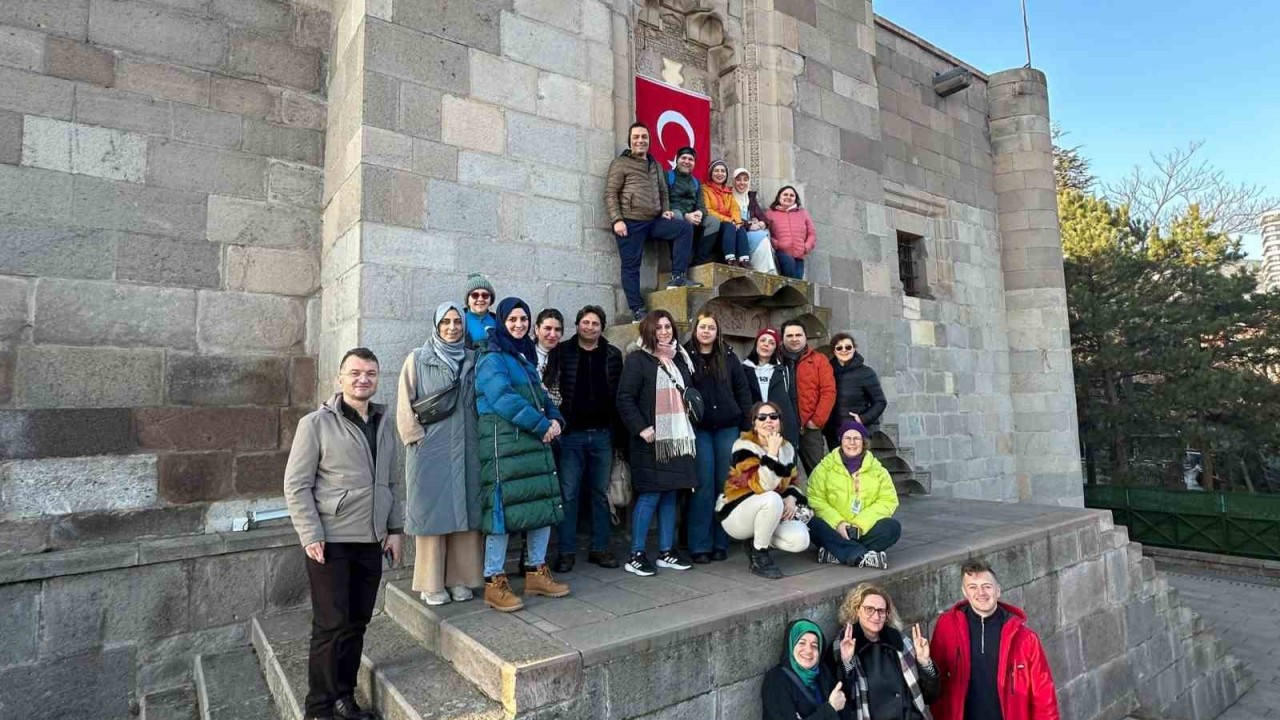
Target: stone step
x=399, y=677
x=915, y=482
x=231, y=685
x=745, y=283
x=178, y=703
x=505, y=657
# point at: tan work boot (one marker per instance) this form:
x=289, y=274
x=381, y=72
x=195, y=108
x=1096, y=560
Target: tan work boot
x=540, y=582
x=498, y=595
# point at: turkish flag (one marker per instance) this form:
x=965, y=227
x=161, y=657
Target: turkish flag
x=676, y=118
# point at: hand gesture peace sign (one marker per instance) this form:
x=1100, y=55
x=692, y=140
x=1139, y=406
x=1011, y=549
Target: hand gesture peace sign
x=847, y=644
x=922, y=644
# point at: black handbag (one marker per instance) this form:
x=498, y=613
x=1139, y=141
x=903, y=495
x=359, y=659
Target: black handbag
x=438, y=406
x=694, y=405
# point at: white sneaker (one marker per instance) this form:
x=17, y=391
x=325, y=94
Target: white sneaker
x=870, y=560
x=461, y=593
x=435, y=598
x=826, y=557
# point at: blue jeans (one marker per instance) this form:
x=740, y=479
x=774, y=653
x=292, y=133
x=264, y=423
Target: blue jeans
x=664, y=503
x=715, y=455
x=631, y=251
x=880, y=537
x=789, y=266
x=495, y=550
x=585, y=454
x=733, y=241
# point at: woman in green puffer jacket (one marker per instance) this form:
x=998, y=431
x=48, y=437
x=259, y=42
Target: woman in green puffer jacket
x=519, y=489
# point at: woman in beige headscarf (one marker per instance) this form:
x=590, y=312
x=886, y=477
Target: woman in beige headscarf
x=753, y=218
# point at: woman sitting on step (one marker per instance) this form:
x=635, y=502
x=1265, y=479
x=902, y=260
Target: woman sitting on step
x=885, y=674
x=761, y=503
x=853, y=500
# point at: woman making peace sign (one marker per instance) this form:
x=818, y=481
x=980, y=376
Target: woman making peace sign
x=886, y=676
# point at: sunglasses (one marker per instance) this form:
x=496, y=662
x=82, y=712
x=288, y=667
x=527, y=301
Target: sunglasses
x=480, y=295
x=761, y=417
x=844, y=348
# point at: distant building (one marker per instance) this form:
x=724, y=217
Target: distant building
x=1269, y=278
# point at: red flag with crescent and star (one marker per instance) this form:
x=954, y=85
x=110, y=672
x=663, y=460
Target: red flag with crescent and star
x=676, y=118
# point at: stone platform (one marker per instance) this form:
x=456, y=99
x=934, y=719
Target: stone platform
x=696, y=643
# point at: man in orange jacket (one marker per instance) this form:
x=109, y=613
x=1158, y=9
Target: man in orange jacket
x=993, y=666
x=815, y=391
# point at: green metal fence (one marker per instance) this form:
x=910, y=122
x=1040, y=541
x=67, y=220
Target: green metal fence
x=1217, y=522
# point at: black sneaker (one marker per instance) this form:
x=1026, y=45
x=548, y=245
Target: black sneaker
x=678, y=280
x=826, y=557
x=884, y=560
x=639, y=564
x=603, y=558
x=638, y=315
x=701, y=558
x=871, y=560
x=671, y=561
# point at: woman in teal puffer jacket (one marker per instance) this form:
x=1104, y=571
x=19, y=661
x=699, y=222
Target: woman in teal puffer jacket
x=519, y=489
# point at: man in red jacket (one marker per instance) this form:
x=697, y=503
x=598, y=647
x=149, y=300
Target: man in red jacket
x=992, y=665
x=815, y=391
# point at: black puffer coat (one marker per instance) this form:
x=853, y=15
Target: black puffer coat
x=727, y=403
x=562, y=374
x=857, y=391
x=637, y=399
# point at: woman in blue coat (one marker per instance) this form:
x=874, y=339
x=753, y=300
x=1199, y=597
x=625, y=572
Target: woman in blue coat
x=480, y=319
x=519, y=489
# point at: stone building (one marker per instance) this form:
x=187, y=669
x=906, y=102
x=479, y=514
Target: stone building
x=204, y=202
x=1269, y=277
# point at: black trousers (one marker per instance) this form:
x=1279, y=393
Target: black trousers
x=343, y=591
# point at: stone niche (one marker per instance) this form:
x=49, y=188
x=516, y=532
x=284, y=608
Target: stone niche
x=686, y=43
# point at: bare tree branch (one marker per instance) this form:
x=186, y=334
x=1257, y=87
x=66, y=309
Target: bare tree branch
x=1180, y=178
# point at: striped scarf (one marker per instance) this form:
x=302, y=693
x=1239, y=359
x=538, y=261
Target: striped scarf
x=910, y=673
x=673, y=434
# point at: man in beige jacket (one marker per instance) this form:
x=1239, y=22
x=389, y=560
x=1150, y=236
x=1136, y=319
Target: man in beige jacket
x=346, y=504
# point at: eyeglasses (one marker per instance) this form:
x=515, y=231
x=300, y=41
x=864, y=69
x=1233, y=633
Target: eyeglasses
x=761, y=417
x=844, y=348
x=874, y=611
x=480, y=295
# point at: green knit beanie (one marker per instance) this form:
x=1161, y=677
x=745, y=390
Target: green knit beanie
x=476, y=281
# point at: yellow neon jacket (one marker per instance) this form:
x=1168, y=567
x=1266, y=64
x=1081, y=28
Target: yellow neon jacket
x=831, y=492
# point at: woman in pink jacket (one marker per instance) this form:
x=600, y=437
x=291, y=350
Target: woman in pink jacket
x=792, y=232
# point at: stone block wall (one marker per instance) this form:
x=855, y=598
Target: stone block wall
x=466, y=137
x=1117, y=640
x=160, y=193
x=126, y=620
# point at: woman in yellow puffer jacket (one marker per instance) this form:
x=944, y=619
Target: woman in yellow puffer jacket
x=853, y=501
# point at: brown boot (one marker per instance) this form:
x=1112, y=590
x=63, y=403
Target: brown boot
x=498, y=595
x=540, y=582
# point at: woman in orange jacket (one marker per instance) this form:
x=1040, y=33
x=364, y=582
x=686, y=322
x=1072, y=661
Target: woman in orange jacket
x=717, y=195
x=792, y=232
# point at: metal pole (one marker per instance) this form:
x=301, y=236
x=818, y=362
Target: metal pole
x=1026, y=32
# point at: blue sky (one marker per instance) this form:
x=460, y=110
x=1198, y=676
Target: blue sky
x=1128, y=77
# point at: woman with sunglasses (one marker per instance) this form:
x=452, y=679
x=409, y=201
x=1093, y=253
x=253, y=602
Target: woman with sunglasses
x=480, y=319
x=853, y=501
x=885, y=675
x=519, y=489
x=760, y=498
x=768, y=378
x=718, y=376
x=858, y=393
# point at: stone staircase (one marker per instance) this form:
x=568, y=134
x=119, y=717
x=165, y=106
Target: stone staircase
x=897, y=460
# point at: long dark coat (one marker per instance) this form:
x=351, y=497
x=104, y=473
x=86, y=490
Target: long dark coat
x=637, y=398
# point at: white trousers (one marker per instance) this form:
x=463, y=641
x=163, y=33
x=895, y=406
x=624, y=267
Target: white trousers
x=759, y=517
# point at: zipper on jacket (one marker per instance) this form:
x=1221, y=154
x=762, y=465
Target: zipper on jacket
x=373, y=470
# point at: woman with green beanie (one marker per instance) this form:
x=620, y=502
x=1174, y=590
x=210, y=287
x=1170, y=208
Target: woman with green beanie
x=801, y=687
x=480, y=318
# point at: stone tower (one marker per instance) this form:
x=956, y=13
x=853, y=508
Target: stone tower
x=1269, y=278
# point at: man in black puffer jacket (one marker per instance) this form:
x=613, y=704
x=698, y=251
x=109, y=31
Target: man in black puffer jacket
x=585, y=369
x=858, y=393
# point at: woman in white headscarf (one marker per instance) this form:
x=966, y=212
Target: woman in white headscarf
x=753, y=218
x=442, y=478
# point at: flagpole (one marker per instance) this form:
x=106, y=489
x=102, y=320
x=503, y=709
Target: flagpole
x=1026, y=32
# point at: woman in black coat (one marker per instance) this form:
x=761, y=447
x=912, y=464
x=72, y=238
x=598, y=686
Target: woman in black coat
x=718, y=375
x=651, y=405
x=801, y=686
x=858, y=393
x=770, y=379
